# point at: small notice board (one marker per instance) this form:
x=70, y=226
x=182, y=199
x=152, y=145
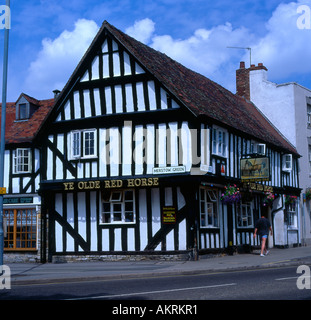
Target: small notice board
x=169, y=215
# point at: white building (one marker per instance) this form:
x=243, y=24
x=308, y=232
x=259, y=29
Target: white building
x=288, y=107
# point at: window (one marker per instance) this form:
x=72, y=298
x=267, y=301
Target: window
x=309, y=155
x=287, y=162
x=244, y=215
x=219, y=144
x=309, y=115
x=22, y=111
x=257, y=148
x=120, y=208
x=291, y=215
x=208, y=208
x=89, y=143
x=261, y=149
x=83, y=143
x=76, y=144
x=21, y=227
x=22, y=160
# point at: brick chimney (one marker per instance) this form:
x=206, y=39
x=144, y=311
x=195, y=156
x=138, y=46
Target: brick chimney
x=242, y=79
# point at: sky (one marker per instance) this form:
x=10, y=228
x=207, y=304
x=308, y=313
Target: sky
x=48, y=38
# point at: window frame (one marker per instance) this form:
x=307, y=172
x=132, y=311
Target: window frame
x=308, y=115
x=19, y=160
x=292, y=217
x=285, y=162
x=220, y=138
x=12, y=235
x=18, y=111
x=122, y=201
x=240, y=213
x=78, y=144
x=210, y=202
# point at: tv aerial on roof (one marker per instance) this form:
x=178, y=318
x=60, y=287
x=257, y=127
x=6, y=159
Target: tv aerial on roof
x=245, y=48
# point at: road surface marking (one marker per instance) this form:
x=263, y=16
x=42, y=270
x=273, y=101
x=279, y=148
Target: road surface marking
x=154, y=292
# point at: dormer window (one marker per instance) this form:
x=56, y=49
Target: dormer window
x=22, y=111
x=25, y=107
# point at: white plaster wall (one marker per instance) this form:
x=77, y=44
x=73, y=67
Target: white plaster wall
x=285, y=106
x=276, y=102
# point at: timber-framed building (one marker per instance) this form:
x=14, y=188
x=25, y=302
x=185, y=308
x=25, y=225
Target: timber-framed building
x=138, y=153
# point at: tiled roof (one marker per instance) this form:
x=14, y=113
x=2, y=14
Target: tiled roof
x=201, y=95
x=25, y=130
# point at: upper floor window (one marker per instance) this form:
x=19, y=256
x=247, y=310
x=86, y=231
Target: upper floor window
x=83, y=144
x=22, y=111
x=22, y=160
x=219, y=142
x=309, y=115
x=287, y=161
x=258, y=148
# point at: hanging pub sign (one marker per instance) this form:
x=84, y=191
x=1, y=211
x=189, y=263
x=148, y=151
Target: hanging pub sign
x=169, y=215
x=255, y=169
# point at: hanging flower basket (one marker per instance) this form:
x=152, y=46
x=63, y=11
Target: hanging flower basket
x=231, y=195
x=308, y=194
x=289, y=199
x=268, y=199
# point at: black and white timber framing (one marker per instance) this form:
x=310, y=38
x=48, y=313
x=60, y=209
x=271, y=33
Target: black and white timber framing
x=114, y=124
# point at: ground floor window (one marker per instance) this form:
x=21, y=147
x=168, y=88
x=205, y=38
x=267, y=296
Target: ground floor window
x=208, y=208
x=244, y=215
x=119, y=207
x=291, y=215
x=21, y=229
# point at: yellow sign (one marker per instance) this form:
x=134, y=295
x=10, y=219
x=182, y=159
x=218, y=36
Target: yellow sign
x=3, y=190
x=257, y=187
x=169, y=215
x=111, y=184
x=255, y=169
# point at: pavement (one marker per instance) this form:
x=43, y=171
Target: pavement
x=35, y=273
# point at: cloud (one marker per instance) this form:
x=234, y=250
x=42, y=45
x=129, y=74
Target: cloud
x=285, y=49
x=206, y=50
x=142, y=30
x=58, y=58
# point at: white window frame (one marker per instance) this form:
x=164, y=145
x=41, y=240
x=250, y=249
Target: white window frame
x=292, y=219
x=258, y=148
x=75, y=150
x=209, y=205
x=19, y=160
x=121, y=202
x=79, y=152
x=287, y=162
x=85, y=132
x=220, y=140
x=241, y=209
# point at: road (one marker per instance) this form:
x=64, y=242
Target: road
x=259, y=284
